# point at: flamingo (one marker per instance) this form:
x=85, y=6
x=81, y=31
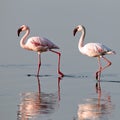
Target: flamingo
x=93, y=49
x=39, y=45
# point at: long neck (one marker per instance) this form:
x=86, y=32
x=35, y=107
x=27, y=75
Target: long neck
x=81, y=40
x=22, y=41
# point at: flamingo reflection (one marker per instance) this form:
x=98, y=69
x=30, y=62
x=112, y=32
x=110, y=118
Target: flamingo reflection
x=96, y=108
x=38, y=103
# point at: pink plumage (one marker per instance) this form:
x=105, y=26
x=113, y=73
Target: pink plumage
x=93, y=49
x=39, y=45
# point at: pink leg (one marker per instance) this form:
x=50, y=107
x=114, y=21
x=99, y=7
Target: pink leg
x=39, y=63
x=59, y=54
x=98, y=73
x=102, y=68
x=108, y=63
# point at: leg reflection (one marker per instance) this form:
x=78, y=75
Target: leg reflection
x=99, y=107
x=34, y=104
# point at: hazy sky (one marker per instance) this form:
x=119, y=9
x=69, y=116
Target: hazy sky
x=56, y=20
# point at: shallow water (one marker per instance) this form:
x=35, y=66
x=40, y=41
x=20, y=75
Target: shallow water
x=75, y=96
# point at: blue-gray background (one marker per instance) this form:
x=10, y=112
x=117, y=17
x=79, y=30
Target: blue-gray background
x=56, y=21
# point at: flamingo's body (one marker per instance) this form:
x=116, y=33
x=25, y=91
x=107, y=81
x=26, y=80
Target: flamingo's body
x=93, y=49
x=39, y=45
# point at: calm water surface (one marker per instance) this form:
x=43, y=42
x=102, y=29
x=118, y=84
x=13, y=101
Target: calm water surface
x=76, y=96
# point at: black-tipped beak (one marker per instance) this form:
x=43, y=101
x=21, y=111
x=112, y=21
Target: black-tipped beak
x=18, y=32
x=75, y=30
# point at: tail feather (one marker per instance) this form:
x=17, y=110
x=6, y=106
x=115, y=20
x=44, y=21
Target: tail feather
x=111, y=52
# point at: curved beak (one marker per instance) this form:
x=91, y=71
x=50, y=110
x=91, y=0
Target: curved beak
x=18, y=32
x=75, y=30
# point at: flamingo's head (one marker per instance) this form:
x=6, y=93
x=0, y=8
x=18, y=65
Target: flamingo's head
x=22, y=28
x=78, y=28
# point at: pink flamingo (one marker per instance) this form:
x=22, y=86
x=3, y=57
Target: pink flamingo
x=93, y=49
x=39, y=45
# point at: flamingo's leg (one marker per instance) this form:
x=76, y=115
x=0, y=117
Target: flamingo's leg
x=98, y=73
x=59, y=54
x=39, y=63
x=108, y=63
x=102, y=68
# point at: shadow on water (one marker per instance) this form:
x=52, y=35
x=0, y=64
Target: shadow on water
x=104, y=76
x=90, y=75
x=34, y=75
x=113, y=81
x=99, y=107
x=66, y=75
x=76, y=76
x=33, y=104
